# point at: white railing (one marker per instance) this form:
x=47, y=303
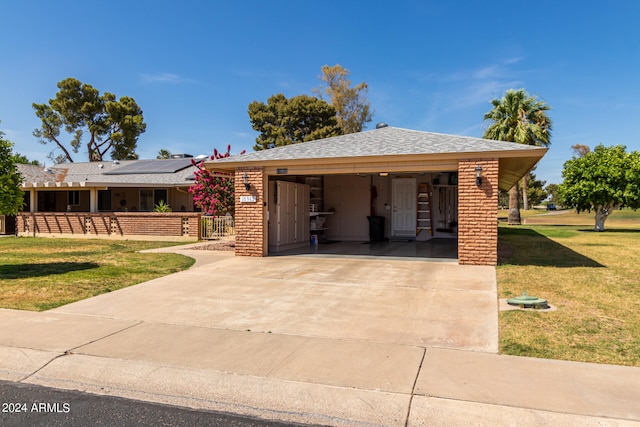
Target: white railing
x=215, y=228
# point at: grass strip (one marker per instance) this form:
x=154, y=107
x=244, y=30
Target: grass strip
x=43, y=273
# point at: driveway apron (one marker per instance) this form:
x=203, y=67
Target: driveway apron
x=388, y=301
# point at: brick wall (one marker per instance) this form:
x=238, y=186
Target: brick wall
x=250, y=216
x=112, y=224
x=50, y=223
x=478, y=212
x=97, y=225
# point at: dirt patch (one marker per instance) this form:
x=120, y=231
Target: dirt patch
x=217, y=246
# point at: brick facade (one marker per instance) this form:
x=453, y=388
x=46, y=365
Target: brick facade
x=178, y=225
x=478, y=212
x=250, y=217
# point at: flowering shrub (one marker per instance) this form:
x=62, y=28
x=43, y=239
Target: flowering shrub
x=213, y=194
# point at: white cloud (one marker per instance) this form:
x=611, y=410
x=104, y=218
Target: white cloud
x=473, y=130
x=499, y=70
x=472, y=87
x=513, y=60
x=162, y=78
x=12, y=134
x=481, y=92
x=445, y=97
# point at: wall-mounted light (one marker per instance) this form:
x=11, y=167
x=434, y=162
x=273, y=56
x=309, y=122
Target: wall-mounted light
x=478, y=175
x=384, y=173
x=245, y=181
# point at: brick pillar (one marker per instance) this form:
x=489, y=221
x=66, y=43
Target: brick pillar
x=478, y=212
x=250, y=218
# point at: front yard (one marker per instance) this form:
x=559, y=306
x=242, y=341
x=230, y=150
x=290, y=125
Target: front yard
x=593, y=279
x=42, y=273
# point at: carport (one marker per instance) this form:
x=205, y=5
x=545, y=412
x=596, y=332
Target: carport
x=364, y=214
x=388, y=184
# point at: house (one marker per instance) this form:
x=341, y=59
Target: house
x=387, y=183
x=115, y=199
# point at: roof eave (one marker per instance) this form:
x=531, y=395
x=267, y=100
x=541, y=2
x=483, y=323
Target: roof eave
x=512, y=169
x=388, y=161
x=100, y=185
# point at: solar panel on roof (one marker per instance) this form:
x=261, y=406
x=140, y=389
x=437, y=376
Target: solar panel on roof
x=151, y=167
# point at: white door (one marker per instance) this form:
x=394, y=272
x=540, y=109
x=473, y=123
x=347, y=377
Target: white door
x=404, y=207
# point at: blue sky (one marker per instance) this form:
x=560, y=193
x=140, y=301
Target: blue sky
x=194, y=66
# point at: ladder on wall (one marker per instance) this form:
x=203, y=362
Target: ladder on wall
x=424, y=219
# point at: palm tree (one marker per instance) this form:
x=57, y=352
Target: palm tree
x=519, y=117
x=163, y=154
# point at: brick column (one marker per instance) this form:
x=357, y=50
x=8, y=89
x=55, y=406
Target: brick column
x=250, y=218
x=478, y=212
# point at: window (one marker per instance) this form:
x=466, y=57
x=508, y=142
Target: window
x=146, y=200
x=73, y=198
x=149, y=198
x=104, y=200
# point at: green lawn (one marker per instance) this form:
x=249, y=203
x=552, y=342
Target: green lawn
x=592, y=278
x=43, y=273
x=504, y=213
x=619, y=218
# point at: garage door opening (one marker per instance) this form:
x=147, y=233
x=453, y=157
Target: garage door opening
x=392, y=215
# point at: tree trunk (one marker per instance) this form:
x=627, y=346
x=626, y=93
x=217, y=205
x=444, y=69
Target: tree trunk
x=602, y=212
x=514, y=206
x=525, y=196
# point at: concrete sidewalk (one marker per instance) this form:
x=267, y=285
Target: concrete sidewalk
x=335, y=342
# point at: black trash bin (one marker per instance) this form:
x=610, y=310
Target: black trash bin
x=376, y=228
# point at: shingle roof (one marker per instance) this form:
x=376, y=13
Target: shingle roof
x=32, y=173
x=386, y=141
x=105, y=173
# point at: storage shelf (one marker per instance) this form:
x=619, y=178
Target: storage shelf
x=317, y=223
x=424, y=218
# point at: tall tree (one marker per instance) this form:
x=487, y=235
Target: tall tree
x=535, y=190
x=213, y=193
x=22, y=159
x=353, y=109
x=163, y=153
x=602, y=180
x=552, y=192
x=11, y=196
x=112, y=126
x=283, y=121
x=580, y=150
x=518, y=117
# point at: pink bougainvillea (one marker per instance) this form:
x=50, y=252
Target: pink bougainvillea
x=213, y=193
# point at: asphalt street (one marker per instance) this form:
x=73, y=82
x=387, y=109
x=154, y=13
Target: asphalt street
x=31, y=405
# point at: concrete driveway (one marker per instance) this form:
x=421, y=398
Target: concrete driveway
x=331, y=341
x=407, y=302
